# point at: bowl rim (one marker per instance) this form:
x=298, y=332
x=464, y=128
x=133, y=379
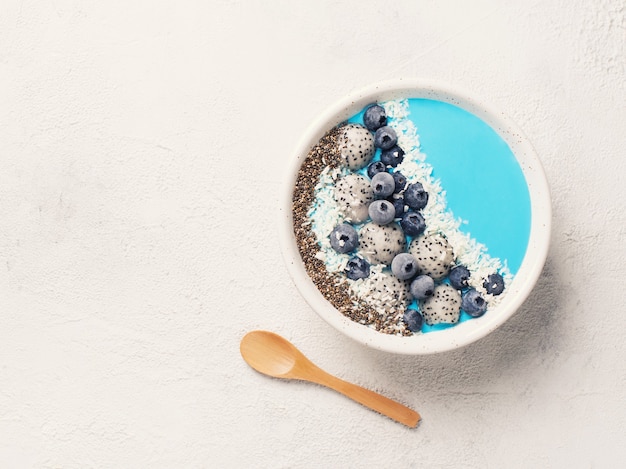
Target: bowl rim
x=534, y=259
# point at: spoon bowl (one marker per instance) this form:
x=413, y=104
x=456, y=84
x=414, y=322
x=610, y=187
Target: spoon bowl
x=269, y=353
x=275, y=356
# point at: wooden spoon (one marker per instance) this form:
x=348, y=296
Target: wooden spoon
x=273, y=355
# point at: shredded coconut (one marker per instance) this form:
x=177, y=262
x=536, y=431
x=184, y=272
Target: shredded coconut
x=325, y=214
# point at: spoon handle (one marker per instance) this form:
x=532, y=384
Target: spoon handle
x=371, y=399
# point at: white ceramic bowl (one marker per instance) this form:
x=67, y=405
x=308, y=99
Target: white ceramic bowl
x=525, y=278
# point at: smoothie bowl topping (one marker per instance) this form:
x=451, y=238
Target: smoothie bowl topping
x=376, y=233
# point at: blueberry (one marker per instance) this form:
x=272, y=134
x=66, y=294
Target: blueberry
x=383, y=184
x=415, y=196
x=412, y=223
x=357, y=268
x=385, y=138
x=398, y=204
x=494, y=284
x=381, y=212
x=473, y=304
x=393, y=156
x=422, y=287
x=400, y=181
x=376, y=167
x=374, y=117
x=413, y=320
x=344, y=238
x=459, y=276
x=404, y=266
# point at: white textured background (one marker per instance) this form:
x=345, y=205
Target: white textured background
x=141, y=151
